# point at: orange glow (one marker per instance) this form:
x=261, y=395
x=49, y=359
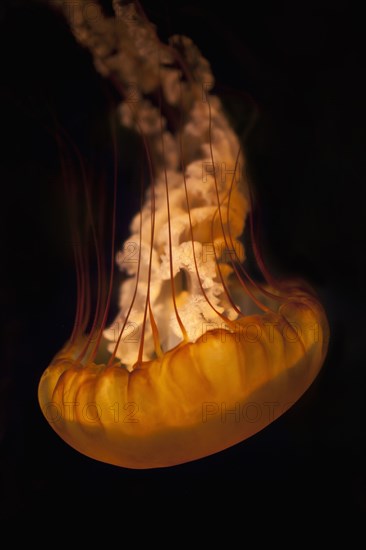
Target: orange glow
x=203, y=356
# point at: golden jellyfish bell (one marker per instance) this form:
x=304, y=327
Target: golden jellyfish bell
x=200, y=356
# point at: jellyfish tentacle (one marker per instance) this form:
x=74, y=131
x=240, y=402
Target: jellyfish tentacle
x=113, y=237
x=181, y=325
x=124, y=324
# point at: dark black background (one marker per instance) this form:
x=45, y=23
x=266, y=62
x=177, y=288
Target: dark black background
x=303, y=76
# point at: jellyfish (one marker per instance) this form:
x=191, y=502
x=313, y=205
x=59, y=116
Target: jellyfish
x=200, y=356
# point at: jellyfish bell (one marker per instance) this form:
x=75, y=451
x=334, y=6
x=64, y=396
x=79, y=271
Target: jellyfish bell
x=200, y=356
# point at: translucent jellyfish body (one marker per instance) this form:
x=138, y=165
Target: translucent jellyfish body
x=200, y=356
